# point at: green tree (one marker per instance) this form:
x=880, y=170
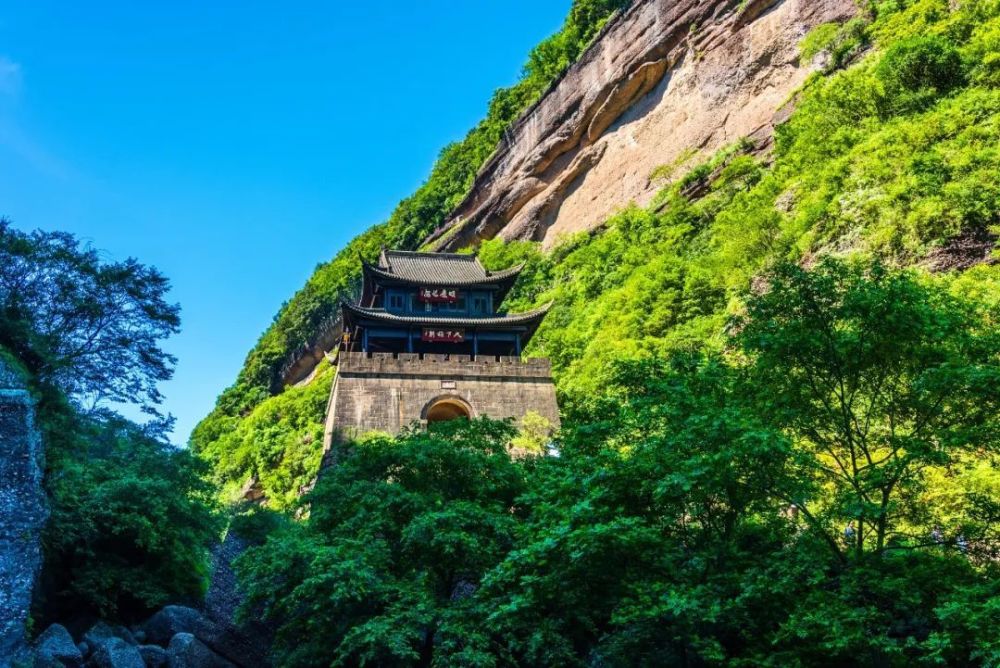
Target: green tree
x=641, y=531
x=399, y=535
x=132, y=520
x=878, y=376
x=92, y=329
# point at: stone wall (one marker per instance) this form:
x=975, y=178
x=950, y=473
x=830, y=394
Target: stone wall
x=663, y=80
x=23, y=512
x=386, y=392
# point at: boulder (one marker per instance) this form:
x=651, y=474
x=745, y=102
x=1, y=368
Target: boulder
x=229, y=642
x=38, y=662
x=154, y=656
x=55, y=644
x=114, y=652
x=101, y=631
x=168, y=622
x=186, y=651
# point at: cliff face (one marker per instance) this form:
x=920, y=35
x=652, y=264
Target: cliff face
x=666, y=78
x=23, y=512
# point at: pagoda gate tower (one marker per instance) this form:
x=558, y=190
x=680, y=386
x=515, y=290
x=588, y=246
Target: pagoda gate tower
x=426, y=343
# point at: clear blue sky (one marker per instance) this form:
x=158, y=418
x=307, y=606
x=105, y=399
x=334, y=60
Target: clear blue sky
x=236, y=145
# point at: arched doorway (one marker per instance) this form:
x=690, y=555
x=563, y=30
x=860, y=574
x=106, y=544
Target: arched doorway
x=443, y=409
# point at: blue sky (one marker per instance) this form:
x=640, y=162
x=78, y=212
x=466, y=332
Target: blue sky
x=236, y=145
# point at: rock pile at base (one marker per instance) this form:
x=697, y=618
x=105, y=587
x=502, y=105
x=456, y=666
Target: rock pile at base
x=174, y=637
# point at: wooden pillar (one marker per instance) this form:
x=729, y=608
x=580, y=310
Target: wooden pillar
x=517, y=344
x=475, y=343
x=409, y=340
x=364, y=339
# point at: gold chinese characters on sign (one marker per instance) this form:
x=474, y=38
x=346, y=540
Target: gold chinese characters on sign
x=443, y=335
x=447, y=295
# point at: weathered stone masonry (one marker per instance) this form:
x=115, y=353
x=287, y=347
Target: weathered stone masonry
x=386, y=392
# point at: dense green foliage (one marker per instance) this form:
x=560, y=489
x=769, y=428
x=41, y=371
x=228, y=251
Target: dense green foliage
x=760, y=464
x=769, y=456
x=856, y=169
x=299, y=320
x=277, y=445
x=131, y=519
x=400, y=534
x=697, y=513
x=131, y=516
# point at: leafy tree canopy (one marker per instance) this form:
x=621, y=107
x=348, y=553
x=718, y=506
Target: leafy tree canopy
x=131, y=516
x=90, y=328
x=399, y=536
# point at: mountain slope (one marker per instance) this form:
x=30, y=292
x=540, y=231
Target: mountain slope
x=668, y=81
x=894, y=155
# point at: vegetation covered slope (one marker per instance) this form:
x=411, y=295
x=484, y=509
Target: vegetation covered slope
x=822, y=493
x=892, y=151
x=894, y=156
x=780, y=436
x=300, y=320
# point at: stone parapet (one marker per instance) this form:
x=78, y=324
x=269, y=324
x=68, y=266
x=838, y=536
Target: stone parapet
x=414, y=364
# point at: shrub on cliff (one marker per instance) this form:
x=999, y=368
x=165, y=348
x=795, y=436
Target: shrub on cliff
x=915, y=72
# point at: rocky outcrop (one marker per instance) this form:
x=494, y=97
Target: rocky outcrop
x=116, y=653
x=226, y=640
x=22, y=513
x=663, y=80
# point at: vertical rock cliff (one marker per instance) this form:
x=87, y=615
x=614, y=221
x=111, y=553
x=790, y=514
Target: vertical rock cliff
x=23, y=512
x=666, y=80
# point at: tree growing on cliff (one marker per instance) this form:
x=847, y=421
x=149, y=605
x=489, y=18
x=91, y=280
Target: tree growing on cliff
x=92, y=329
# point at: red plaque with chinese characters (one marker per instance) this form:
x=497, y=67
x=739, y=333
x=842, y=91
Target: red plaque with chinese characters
x=443, y=335
x=446, y=295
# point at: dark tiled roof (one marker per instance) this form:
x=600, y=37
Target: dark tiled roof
x=530, y=318
x=438, y=269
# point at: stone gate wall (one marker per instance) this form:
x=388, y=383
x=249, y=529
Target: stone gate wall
x=386, y=392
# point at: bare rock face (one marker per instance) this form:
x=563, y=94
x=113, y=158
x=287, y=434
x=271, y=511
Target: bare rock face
x=665, y=78
x=23, y=512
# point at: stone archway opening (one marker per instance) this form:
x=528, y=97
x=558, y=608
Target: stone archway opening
x=448, y=408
